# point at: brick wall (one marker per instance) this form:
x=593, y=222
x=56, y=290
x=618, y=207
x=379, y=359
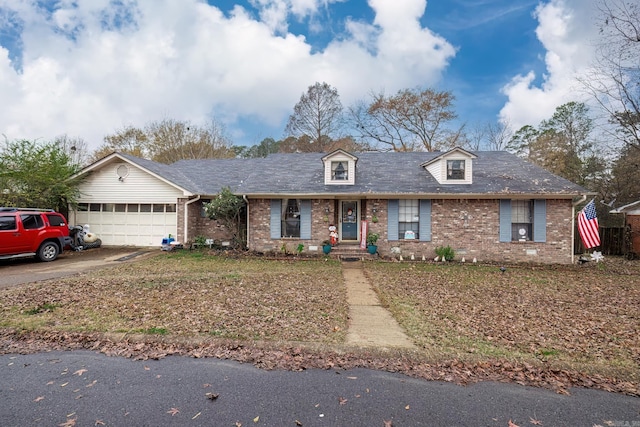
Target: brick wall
x=198, y=225
x=470, y=227
x=634, y=222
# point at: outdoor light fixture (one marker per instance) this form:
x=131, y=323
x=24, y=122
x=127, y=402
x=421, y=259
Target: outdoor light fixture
x=326, y=209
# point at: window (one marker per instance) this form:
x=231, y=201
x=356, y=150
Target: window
x=145, y=207
x=521, y=220
x=339, y=172
x=455, y=169
x=8, y=222
x=203, y=210
x=158, y=208
x=290, y=218
x=408, y=219
x=32, y=222
x=94, y=207
x=55, y=220
x=120, y=207
x=107, y=207
x=171, y=207
x=132, y=207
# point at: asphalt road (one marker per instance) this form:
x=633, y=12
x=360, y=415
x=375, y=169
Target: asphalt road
x=84, y=388
x=26, y=270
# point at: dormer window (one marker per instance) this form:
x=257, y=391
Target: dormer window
x=339, y=168
x=455, y=169
x=338, y=172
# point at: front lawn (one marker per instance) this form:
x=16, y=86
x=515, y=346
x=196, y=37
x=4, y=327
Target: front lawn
x=551, y=326
x=190, y=294
x=585, y=318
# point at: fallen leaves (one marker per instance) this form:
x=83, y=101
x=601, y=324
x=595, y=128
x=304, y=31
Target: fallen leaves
x=173, y=411
x=540, y=314
x=244, y=298
x=79, y=372
x=212, y=396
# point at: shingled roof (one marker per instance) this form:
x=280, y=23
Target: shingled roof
x=495, y=174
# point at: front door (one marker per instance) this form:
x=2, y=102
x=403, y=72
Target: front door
x=349, y=220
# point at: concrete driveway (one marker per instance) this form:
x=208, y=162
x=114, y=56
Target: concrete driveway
x=27, y=270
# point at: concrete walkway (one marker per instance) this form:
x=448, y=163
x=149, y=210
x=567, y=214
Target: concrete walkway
x=370, y=324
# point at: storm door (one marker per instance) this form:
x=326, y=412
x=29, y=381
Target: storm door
x=349, y=220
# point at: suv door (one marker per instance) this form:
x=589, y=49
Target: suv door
x=32, y=225
x=10, y=239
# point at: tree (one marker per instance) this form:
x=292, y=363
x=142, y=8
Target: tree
x=76, y=149
x=561, y=144
x=128, y=140
x=227, y=208
x=37, y=175
x=625, y=177
x=412, y=119
x=318, y=116
x=614, y=80
x=168, y=141
x=263, y=149
x=172, y=140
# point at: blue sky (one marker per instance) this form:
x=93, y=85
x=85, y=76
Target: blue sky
x=87, y=68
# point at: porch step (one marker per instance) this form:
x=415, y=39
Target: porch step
x=346, y=252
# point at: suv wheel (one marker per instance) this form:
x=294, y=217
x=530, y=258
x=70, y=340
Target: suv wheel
x=48, y=251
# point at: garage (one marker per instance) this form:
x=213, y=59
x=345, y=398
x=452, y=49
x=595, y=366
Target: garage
x=127, y=203
x=129, y=224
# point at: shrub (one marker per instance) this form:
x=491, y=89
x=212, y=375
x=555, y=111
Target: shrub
x=445, y=252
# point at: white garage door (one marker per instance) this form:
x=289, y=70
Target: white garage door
x=129, y=224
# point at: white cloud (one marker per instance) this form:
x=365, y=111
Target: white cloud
x=566, y=30
x=91, y=67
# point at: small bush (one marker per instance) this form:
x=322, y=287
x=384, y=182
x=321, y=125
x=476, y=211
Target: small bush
x=445, y=252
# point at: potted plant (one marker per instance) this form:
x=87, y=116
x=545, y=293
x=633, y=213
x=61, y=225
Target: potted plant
x=326, y=247
x=372, y=239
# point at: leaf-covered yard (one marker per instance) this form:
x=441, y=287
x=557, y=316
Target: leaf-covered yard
x=190, y=294
x=577, y=317
x=551, y=326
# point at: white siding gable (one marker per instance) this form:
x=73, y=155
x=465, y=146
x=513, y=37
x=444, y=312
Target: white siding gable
x=438, y=166
x=105, y=185
x=348, y=163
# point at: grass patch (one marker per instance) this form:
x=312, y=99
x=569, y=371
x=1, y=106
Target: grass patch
x=40, y=309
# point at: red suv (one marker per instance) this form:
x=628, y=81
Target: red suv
x=32, y=232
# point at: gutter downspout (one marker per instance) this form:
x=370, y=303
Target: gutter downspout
x=186, y=217
x=244, y=197
x=573, y=225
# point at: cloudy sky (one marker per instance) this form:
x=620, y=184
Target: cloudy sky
x=86, y=68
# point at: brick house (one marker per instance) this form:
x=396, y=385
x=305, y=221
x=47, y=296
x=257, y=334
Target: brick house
x=486, y=205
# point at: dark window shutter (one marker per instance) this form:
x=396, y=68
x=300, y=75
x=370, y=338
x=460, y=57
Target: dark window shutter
x=539, y=220
x=505, y=220
x=392, y=222
x=276, y=215
x=305, y=219
x=425, y=220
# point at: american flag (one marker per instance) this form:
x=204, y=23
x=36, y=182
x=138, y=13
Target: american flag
x=588, y=226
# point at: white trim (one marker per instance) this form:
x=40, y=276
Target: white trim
x=186, y=218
